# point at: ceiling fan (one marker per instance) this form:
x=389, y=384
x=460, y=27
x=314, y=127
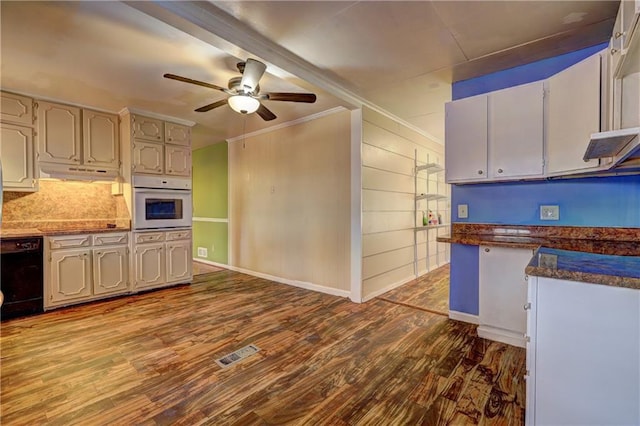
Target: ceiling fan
x=245, y=93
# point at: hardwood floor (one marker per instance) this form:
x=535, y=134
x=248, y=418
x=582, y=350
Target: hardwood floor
x=149, y=359
x=430, y=292
x=200, y=268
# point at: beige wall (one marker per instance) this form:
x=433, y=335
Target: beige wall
x=388, y=151
x=289, y=203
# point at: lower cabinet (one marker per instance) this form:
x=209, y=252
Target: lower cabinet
x=503, y=294
x=583, y=354
x=162, y=258
x=80, y=268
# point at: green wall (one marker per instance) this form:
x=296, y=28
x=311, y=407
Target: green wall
x=210, y=201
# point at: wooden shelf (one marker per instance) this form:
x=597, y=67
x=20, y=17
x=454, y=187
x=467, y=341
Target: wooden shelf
x=430, y=168
x=430, y=197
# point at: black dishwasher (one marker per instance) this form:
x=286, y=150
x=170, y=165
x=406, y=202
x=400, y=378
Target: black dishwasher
x=21, y=276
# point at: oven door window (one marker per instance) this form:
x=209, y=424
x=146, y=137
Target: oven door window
x=162, y=209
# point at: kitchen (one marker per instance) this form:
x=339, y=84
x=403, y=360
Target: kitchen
x=476, y=206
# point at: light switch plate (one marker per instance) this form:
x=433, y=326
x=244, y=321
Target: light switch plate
x=463, y=211
x=549, y=212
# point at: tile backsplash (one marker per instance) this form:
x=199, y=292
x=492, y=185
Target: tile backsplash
x=63, y=201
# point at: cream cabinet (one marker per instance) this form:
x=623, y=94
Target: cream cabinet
x=16, y=154
x=503, y=294
x=147, y=157
x=177, y=160
x=75, y=136
x=583, y=354
x=80, y=268
x=147, y=129
x=16, y=109
x=177, y=134
x=497, y=136
x=162, y=258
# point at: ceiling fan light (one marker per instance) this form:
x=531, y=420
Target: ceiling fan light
x=243, y=104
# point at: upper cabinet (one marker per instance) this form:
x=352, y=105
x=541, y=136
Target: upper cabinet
x=70, y=135
x=497, y=136
x=177, y=134
x=16, y=143
x=573, y=114
x=147, y=129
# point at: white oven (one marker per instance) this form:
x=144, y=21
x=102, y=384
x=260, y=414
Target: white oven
x=161, y=202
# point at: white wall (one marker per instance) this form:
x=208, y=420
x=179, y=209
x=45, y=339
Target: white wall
x=388, y=204
x=289, y=211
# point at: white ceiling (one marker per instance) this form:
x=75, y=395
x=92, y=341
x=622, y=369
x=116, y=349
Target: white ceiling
x=399, y=57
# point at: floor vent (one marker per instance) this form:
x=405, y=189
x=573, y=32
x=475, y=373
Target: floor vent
x=237, y=356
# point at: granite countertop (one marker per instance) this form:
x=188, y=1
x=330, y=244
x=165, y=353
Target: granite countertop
x=70, y=228
x=618, y=271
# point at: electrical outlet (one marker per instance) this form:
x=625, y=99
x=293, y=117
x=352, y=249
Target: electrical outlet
x=463, y=211
x=202, y=252
x=549, y=212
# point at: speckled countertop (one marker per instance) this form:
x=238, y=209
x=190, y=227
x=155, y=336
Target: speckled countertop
x=61, y=228
x=619, y=271
x=599, y=255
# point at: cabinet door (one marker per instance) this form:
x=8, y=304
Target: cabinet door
x=110, y=270
x=70, y=275
x=16, y=109
x=59, y=133
x=16, y=154
x=630, y=11
x=516, y=131
x=150, y=265
x=503, y=294
x=573, y=114
x=100, y=138
x=179, y=261
x=177, y=134
x=466, y=139
x=177, y=160
x=147, y=157
x=148, y=129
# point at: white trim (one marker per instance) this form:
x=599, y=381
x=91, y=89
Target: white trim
x=210, y=219
x=295, y=283
x=356, y=207
x=288, y=124
x=128, y=110
x=500, y=335
x=389, y=288
x=464, y=317
x=209, y=262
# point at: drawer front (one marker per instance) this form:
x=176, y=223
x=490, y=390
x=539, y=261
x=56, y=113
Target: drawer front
x=179, y=235
x=111, y=239
x=69, y=241
x=148, y=237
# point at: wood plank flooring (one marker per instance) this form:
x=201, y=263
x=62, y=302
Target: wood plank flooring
x=430, y=292
x=149, y=359
x=200, y=268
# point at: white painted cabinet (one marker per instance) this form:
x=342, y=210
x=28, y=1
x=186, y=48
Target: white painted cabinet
x=497, y=136
x=16, y=154
x=74, y=136
x=177, y=160
x=573, y=114
x=148, y=129
x=80, y=268
x=177, y=134
x=16, y=109
x=148, y=157
x=583, y=358
x=503, y=294
x=162, y=258
x=466, y=139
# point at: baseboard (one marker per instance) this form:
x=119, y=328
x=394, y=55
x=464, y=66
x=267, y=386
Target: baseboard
x=209, y=262
x=500, y=335
x=388, y=288
x=464, y=317
x=295, y=283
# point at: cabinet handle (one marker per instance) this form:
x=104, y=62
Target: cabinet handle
x=526, y=277
x=614, y=51
x=170, y=139
x=527, y=306
x=480, y=172
x=527, y=338
x=487, y=250
x=157, y=137
x=618, y=34
x=500, y=170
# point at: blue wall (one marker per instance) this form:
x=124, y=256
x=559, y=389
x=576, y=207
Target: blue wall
x=603, y=201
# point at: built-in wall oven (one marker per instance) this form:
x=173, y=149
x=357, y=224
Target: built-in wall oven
x=161, y=202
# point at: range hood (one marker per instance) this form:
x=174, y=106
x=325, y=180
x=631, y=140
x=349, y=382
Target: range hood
x=65, y=171
x=619, y=149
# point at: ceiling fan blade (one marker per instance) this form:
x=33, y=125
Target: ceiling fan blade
x=212, y=106
x=189, y=80
x=265, y=113
x=290, y=97
x=253, y=71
